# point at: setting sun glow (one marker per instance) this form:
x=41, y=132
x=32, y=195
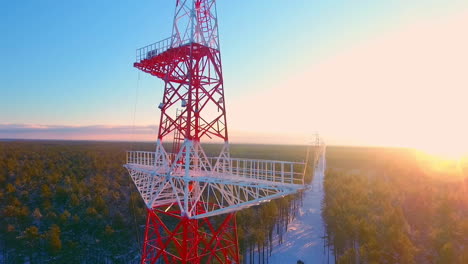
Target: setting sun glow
x=446, y=150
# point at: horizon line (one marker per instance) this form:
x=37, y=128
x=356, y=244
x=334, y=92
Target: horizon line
x=202, y=142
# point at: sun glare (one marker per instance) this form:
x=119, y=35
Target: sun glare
x=448, y=161
x=446, y=152
x=451, y=148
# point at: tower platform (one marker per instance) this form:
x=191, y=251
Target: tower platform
x=158, y=58
x=218, y=184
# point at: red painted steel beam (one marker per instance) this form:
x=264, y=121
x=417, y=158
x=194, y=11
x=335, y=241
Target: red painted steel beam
x=176, y=239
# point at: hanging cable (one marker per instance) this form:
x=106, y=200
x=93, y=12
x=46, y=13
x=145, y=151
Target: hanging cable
x=136, y=225
x=132, y=142
x=132, y=135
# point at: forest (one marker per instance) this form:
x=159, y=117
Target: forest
x=73, y=202
x=395, y=206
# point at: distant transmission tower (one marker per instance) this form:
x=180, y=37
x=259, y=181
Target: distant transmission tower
x=183, y=189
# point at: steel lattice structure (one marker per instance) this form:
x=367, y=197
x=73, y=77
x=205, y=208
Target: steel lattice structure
x=185, y=185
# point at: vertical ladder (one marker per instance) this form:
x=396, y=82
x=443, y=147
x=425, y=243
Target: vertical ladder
x=178, y=136
x=204, y=19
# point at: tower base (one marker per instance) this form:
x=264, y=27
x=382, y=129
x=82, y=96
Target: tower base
x=171, y=238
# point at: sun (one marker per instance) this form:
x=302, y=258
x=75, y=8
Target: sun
x=448, y=149
x=447, y=162
x=446, y=152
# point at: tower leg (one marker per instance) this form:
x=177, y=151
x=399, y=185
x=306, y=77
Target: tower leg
x=171, y=238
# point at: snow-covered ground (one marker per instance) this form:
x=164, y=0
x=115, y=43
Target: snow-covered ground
x=303, y=240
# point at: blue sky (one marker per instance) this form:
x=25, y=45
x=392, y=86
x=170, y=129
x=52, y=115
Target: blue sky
x=69, y=63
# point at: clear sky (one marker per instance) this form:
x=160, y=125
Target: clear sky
x=388, y=73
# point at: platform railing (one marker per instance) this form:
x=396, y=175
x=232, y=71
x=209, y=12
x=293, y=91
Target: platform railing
x=286, y=172
x=152, y=50
x=268, y=170
x=144, y=158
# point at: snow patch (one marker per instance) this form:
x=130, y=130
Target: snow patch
x=304, y=238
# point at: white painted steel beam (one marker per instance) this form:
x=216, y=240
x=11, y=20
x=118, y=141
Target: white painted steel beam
x=220, y=185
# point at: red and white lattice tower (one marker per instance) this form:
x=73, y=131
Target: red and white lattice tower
x=183, y=189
